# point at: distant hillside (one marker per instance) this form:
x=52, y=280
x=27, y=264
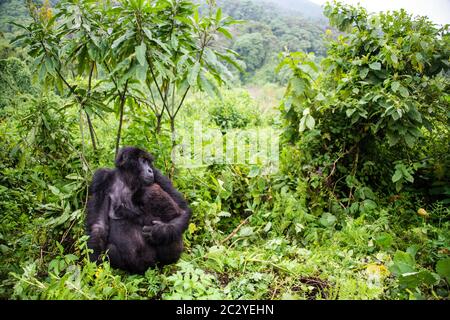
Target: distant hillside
x=269, y=30
x=307, y=8
x=12, y=10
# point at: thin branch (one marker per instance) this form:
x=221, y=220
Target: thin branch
x=91, y=127
x=182, y=101
x=112, y=78
x=91, y=72
x=149, y=86
x=156, y=83
x=153, y=101
x=122, y=103
x=204, y=44
x=91, y=130
x=233, y=233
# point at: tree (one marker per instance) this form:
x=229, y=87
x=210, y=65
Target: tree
x=251, y=47
x=378, y=97
x=147, y=53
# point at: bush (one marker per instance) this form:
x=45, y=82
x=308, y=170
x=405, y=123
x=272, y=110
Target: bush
x=375, y=107
x=236, y=110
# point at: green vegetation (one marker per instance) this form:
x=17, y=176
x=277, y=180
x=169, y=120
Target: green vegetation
x=357, y=210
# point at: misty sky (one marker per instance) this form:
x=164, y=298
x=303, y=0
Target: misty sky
x=437, y=10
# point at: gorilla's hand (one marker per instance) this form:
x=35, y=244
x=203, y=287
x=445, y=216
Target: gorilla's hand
x=160, y=233
x=97, y=240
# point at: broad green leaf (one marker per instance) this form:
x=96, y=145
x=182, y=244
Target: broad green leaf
x=428, y=278
x=246, y=231
x=412, y=250
x=409, y=280
x=393, y=138
x=310, y=122
x=403, y=92
x=354, y=208
x=328, y=220
x=141, y=73
x=396, y=114
x=49, y=65
x=299, y=85
x=397, y=176
x=406, y=174
x=443, y=268
x=363, y=73
x=208, y=86
x=174, y=42
x=349, y=112
x=302, y=125
x=210, y=56
x=375, y=66
x=416, y=116
x=192, y=228
x=59, y=85
x=410, y=140
x=369, y=205
x=183, y=19
x=140, y=53
x=239, y=65
x=394, y=58
x=148, y=33
x=306, y=111
x=196, y=16
x=193, y=74
x=42, y=72
x=403, y=263
x=121, y=39
x=351, y=181
x=218, y=14
x=162, y=45
x=384, y=240
x=71, y=257
x=225, y=32
x=254, y=171
x=54, y=190
x=395, y=85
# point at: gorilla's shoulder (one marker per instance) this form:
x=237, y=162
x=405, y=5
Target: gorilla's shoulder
x=102, y=180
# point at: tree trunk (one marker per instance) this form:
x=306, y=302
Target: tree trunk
x=122, y=103
x=172, y=131
x=158, y=123
x=91, y=131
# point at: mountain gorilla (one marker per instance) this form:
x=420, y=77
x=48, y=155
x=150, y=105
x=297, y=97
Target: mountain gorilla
x=135, y=214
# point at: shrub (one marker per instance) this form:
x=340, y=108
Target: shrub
x=371, y=112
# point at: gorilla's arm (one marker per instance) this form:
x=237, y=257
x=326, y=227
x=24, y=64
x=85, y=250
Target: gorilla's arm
x=167, y=186
x=97, y=211
x=164, y=233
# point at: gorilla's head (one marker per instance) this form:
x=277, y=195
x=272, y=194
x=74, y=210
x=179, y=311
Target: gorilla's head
x=136, y=163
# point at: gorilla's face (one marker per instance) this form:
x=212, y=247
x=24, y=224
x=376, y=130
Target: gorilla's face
x=146, y=171
x=136, y=165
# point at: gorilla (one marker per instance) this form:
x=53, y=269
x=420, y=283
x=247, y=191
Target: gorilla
x=135, y=214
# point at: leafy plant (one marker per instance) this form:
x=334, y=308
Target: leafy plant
x=152, y=54
x=409, y=276
x=369, y=104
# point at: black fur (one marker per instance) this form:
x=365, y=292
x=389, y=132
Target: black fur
x=135, y=214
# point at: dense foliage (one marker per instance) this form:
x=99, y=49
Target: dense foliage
x=378, y=106
x=357, y=210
